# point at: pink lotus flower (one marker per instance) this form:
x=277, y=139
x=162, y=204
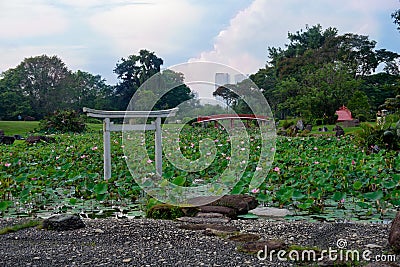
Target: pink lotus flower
x=353, y=162
x=149, y=161
x=83, y=156
x=277, y=169
x=258, y=168
x=255, y=190
x=315, y=148
x=316, y=162
x=94, y=148
x=7, y=164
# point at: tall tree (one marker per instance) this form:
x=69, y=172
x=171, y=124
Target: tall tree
x=91, y=91
x=133, y=72
x=45, y=81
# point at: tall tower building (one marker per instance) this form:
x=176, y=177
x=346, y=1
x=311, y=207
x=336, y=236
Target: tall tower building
x=221, y=78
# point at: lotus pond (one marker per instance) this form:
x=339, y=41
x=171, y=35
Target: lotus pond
x=317, y=178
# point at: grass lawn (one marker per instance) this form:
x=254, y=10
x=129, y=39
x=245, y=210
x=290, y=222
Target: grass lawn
x=24, y=128
x=18, y=127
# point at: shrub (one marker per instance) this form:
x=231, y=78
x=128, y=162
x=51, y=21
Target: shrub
x=63, y=121
x=382, y=136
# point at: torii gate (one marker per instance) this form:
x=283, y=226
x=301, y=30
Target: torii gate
x=109, y=127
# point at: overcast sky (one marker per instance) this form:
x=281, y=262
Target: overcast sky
x=92, y=35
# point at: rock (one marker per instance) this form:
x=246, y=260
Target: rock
x=33, y=139
x=226, y=211
x=127, y=260
x=221, y=230
x=244, y=237
x=300, y=125
x=394, y=235
x=339, y=131
x=63, y=222
x=99, y=231
x=270, y=212
x=209, y=215
x=18, y=137
x=256, y=246
x=241, y=203
x=308, y=127
x=7, y=140
x=204, y=220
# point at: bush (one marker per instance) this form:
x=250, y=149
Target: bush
x=380, y=136
x=286, y=124
x=64, y=121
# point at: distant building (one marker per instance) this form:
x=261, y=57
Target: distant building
x=239, y=78
x=221, y=78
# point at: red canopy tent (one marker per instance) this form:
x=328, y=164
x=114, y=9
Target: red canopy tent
x=344, y=114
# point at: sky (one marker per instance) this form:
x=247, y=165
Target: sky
x=93, y=35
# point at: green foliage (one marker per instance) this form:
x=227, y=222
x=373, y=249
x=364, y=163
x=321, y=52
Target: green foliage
x=382, y=136
x=18, y=227
x=63, y=121
x=164, y=211
x=43, y=84
x=359, y=106
x=396, y=18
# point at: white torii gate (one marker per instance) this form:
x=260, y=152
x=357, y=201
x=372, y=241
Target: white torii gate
x=109, y=127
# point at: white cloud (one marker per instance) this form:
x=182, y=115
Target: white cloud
x=21, y=19
x=161, y=26
x=73, y=56
x=243, y=44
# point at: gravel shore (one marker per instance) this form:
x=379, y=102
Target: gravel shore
x=146, y=242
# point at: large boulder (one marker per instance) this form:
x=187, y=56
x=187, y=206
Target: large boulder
x=394, y=236
x=7, y=140
x=63, y=222
x=241, y=203
x=33, y=139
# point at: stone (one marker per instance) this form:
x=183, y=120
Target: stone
x=18, y=137
x=300, y=125
x=209, y=215
x=339, y=131
x=226, y=211
x=63, y=222
x=127, y=260
x=221, y=230
x=241, y=203
x=270, y=212
x=394, y=235
x=245, y=237
x=33, y=139
x=7, y=140
x=256, y=246
x=308, y=127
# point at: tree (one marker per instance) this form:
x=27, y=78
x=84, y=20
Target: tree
x=133, y=72
x=396, y=17
x=12, y=101
x=359, y=106
x=91, y=91
x=227, y=94
x=45, y=81
x=177, y=91
x=302, y=74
